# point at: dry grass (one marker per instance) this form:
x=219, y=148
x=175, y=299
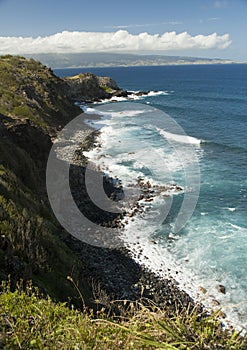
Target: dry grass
x=29, y=321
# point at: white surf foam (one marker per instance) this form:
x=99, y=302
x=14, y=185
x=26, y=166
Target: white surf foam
x=150, y=253
x=111, y=113
x=133, y=96
x=179, y=138
x=158, y=93
x=90, y=110
x=237, y=227
x=138, y=234
x=127, y=113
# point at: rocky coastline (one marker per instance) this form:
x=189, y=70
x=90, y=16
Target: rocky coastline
x=36, y=251
x=33, y=245
x=112, y=272
x=88, y=88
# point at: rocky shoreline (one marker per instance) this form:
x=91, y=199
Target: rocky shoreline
x=88, y=88
x=146, y=193
x=112, y=272
x=33, y=245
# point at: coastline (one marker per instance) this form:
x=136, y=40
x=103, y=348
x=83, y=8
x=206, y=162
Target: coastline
x=114, y=270
x=167, y=284
x=209, y=296
x=37, y=249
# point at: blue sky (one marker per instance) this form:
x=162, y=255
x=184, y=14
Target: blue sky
x=31, y=18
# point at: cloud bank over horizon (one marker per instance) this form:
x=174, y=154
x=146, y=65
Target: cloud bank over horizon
x=119, y=41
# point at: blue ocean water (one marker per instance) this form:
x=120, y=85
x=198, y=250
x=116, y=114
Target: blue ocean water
x=210, y=104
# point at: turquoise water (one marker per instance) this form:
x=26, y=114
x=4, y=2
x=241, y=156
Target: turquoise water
x=210, y=104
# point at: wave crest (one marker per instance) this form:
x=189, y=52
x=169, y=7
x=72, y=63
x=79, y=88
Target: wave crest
x=179, y=138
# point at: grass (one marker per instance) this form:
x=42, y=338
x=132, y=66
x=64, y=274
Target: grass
x=30, y=321
x=31, y=97
x=106, y=89
x=29, y=90
x=34, y=249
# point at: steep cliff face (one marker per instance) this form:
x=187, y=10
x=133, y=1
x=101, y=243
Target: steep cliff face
x=33, y=106
x=89, y=87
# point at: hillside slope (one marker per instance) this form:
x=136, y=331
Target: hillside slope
x=33, y=106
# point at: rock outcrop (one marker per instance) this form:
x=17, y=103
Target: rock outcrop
x=89, y=88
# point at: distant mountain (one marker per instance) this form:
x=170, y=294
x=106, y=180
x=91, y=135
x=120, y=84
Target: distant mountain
x=80, y=60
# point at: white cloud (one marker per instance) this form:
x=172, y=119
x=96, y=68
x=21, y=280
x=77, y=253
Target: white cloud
x=119, y=41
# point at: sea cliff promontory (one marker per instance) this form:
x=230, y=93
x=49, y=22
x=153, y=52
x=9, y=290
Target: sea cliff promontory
x=89, y=87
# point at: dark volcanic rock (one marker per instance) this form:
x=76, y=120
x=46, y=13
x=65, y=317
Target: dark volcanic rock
x=222, y=289
x=120, y=277
x=89, y=87
x=142, y=93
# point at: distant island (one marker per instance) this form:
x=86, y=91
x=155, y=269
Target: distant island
x=91, y=60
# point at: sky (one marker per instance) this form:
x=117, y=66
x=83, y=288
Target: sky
x=201, y=28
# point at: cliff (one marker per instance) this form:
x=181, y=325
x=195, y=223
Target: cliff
x=89, y=87
x=30, y=90
x=33, y=107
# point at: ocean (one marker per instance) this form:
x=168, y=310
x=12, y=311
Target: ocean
x=146, y=138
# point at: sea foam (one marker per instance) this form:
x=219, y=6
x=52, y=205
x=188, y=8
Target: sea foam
x=179, y=138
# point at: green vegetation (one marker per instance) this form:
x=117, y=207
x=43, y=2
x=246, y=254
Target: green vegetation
x=33, y=247
x=106, y=89
x=33, y=106
x=30, y=321
x=30, y=90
